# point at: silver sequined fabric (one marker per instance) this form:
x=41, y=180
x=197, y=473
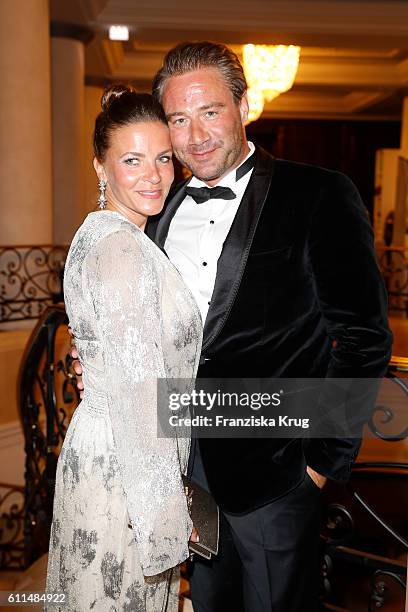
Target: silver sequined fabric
x=120, y=520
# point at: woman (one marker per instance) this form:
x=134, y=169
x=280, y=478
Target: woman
x=120, y=520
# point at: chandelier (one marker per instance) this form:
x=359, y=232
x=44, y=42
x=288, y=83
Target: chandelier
x=255, y=104
x=270, y=70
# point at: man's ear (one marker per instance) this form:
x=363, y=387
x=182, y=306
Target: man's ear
x=244, y=108
x=99, y=169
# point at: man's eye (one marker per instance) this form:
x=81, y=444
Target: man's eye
x=211, y=114
x=132, y=161
x=179, y=121
x=164, y=159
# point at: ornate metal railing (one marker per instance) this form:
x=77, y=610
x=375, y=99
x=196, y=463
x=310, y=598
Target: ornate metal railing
x=30, y=280
x=394, y=266
x=47, y=399
x=371, y=535
x=11, y=526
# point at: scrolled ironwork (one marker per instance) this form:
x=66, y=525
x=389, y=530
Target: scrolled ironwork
x=388, y=416
x=380, y=589
x=339, y=523
x=326, y=569
x=30, y=280
x=11, y=527
x=341, y=527
x=47, y=399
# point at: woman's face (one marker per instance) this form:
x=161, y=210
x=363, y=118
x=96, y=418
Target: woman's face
x=138, y=169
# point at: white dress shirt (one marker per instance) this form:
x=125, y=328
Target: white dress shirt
x=197, y=233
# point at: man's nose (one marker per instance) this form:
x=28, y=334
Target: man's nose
x=198, y=133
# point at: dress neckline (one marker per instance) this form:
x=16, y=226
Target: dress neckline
x=114, y=212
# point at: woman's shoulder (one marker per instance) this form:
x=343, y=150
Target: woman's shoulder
x=106, y=226
x=104, y=231
x=114, y=236
x=105, y=222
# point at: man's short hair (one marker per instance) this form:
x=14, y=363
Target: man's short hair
x=190, y=56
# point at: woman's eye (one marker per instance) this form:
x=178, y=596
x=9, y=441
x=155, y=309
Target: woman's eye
x=132, y=161
x=164, y=159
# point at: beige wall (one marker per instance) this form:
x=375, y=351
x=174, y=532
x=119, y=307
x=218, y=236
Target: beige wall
x=12, y=346
x=68, y=121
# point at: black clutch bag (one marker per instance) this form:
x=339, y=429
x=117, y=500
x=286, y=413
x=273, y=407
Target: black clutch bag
x=204, y=513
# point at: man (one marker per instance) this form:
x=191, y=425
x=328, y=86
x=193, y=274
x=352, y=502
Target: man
x=286, y=279
x=284, y=272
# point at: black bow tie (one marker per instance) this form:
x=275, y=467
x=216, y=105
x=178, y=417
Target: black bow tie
x=203, y=194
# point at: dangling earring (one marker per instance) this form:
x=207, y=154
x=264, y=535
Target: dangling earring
x=102, y=198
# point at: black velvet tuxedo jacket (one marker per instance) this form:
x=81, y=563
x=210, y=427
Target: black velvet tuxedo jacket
x=298, y=293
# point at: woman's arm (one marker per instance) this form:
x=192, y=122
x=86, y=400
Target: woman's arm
x=126, y=298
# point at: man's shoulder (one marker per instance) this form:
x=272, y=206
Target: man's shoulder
x=299, y=174
x=307, y=171
x=308, y=178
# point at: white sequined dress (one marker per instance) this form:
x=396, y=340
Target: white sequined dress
x=120, y=520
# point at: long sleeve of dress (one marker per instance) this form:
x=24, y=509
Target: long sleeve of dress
x=125, y=290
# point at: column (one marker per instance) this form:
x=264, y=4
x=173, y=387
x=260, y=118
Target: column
x=25, y=123
x=404, y=129
x=93, y=95
x=68, y=128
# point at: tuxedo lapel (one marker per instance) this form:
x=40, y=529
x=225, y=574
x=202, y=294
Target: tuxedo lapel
x=163, y=225
x=234, y=254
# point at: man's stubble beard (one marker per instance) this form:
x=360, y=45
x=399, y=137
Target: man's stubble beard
x=229, y=160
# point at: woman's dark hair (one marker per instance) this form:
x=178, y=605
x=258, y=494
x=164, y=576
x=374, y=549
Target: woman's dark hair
x=122, y=105
x=190, y=56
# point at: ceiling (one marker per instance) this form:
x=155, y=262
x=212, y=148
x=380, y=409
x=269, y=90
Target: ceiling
x=354, y=58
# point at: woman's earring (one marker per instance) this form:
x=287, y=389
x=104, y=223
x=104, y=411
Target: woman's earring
x=102, y=198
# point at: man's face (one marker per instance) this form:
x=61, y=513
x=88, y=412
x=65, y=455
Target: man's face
x=206, y=124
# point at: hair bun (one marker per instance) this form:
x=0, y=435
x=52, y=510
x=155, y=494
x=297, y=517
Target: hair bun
x=113, y=93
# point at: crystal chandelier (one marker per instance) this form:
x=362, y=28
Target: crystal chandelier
x=255, y=104
x=270, y=70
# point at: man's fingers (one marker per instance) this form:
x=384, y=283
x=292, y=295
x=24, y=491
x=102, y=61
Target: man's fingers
x=317, y=478
x=77, y=367
x=194, y=535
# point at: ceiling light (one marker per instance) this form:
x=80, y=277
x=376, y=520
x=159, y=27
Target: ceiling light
x=118, y=32
x=271, y=68
x=255, y=104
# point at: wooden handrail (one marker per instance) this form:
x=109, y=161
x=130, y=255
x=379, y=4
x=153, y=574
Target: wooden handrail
x=399, y=363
